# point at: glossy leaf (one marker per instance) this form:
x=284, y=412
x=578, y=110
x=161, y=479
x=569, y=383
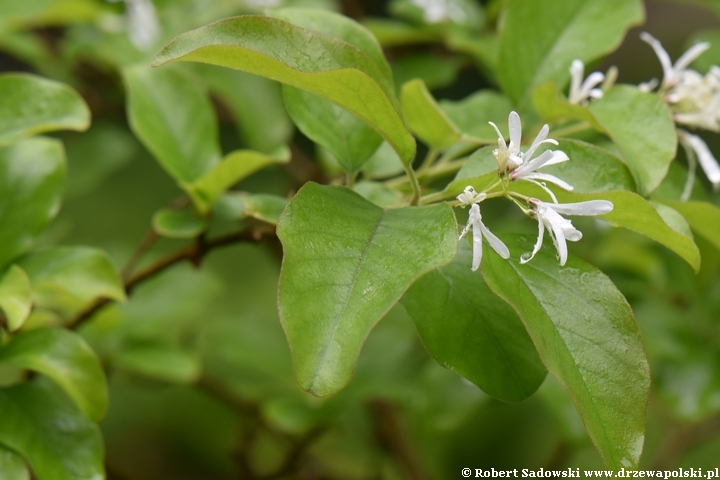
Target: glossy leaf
x=552, y=106
x=468, y=329
x=82, y=273
x=12, y=466
x=346, y=263
x=15, y=297
x=43, y=425
x=64, y=357
x=539, y=40
x=703, y=217
x=239, y=205
x=642, y=128
x=174, y=119
x=30, y=105
x=350, y=140
x=32, y=176
x=424, y=116
x=313, y=61
x=472, y=114
x=235, y=167
x=178, y=223
x=159, y=362
x=585, y=333
x=630, y=211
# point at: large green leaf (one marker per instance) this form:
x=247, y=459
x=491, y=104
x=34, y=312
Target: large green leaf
x=346, y=263
x=78, y=274
x=174, y=119
x=32, y=175
x=15, y=297
x=468, y=329
x=539, y=40
x=585, y=333
x=68, y=360
x=313, y=61
x=630, y=211
x=350, y=140
x=703, y=217
x=12, y=466
x=641, y=126
x=424, y=116
x=40, y=423
x=30, y=105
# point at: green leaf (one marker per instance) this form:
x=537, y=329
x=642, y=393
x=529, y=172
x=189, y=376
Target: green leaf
x=712, y=55
x=30, y=105
x=350, y=140
x=383, y=163
x=159, y=362
x=380, y=195
x=234, y=167
x=262, y=206
x=539, y=40
x=15, y=297
x=178, y=223
x=435, y=71
x=468, y=329
x=703, y=217
x=630, y=211
x=552, y=106
x=174, y=119
x=641, y=126
x=256, y=104
x=12, y=466
x=313, y=61
x=472, y=114
x=585, y=333
x=346, y=263
x=68, y=360
x=480, y=171
x=40, y=13
x=32, y=176
x=82, y=274
x=392, y=33
x=424, y=116
x=40, y=423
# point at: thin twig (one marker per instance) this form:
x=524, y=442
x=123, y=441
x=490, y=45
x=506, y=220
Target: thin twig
x=142, y=249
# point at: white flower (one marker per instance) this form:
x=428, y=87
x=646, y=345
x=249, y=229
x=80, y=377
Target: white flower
x=561, y=229
x=470, y=197
x=672, y=74
x=142, y=24
x=697, y=150
x=438, y=11
x=581, y=92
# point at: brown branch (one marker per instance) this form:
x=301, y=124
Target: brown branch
x=684, y=439
x=193, y=253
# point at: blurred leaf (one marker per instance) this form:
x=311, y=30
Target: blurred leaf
x=256, y=104
x=80, y=273
x=630, y=211
x=392, y=33
x=64, y=357
x=642, y=128
x=482, y=47
x=350, y=140
x=553, y=106
x=239, y=205
x=673, y=218
x=472, y=114
x=539, y=40
x=424, y=116
x=41, y=423
x=380, y=195
x=673, y=185
x=12, y=466
x=468, y=329
x=236, y=166
x=383, y=163
x=15, y=297
x=178, y=223
x=359, y=261
x=30, y=105
x=448, y=13
x=39, y=13
x=159, y=362
x=586, y=335
x=435, y=71
x=560, y=403
x=269, y=48
x=703, y=217
x=174, y=119
x=32, y=176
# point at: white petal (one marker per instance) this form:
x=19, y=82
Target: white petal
x=539, y=140
x=592, y=207
x=500, y=135
x=515, y=128
x=558, y=236
x=662, y=56
x=541, y=230
x=577, y=68
x=590, y=82
x=705, y=158
x=477, y=245
x=546, y=177
x=558, y=157
x=495, y=242
x=541, y=185
x=687, y=58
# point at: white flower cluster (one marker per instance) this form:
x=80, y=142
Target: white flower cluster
x=515, y=165
x=438, y=11
x=695, y=102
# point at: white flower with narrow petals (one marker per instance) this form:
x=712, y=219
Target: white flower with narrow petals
x=698, y=152
x=472, y=198
x=582, y=92
x=672, y=74
x=438, y=11
x=561, y=229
